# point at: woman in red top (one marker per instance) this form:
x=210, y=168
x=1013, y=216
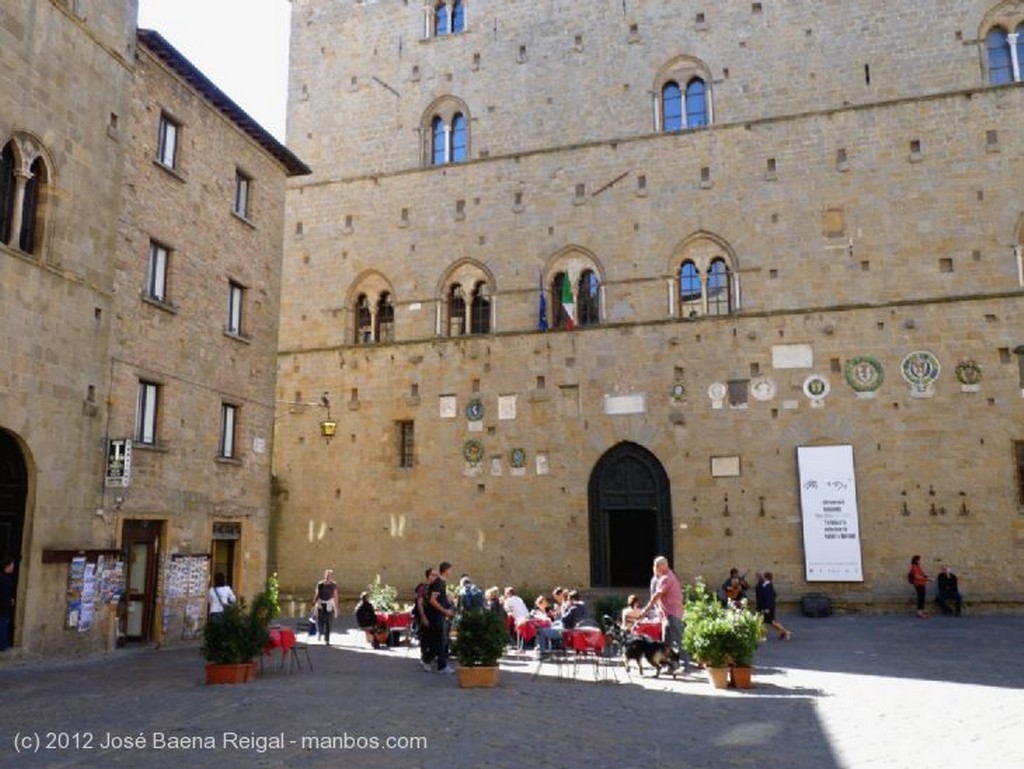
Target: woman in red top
x=919, y=580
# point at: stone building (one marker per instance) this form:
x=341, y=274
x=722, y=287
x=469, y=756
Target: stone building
x=783, y=234
x=137, y=205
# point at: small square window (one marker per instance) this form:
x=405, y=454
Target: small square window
x=1018, y=450
x=243, y=186
x=167, y=146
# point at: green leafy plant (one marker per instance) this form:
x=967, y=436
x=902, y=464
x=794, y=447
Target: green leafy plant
x=481, y=640
x=266, y=607
x=236, y=637
x=382, y=596
x=716, y=635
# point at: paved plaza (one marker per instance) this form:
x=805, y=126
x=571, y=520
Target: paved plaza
x=847, y=691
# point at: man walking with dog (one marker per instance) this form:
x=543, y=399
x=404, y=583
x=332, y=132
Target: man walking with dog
x=667, y=595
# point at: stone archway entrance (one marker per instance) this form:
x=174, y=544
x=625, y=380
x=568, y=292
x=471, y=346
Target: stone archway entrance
x=630, y=513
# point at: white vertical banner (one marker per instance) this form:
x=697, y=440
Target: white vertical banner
x=831, y=524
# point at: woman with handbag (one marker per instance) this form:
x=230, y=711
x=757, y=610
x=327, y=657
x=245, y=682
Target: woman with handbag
x=220, y=595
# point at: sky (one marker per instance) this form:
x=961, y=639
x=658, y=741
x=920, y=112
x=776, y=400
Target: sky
x=240, y=45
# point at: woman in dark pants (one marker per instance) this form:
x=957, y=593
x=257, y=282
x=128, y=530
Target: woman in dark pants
x=325, y=602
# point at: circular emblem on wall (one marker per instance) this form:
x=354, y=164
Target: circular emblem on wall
x=475, y=410
x=473, y=451
x=921, y=369
x=816, y=387
x=864, y=373
x=763, y=388
x=517, y=458
x=968, y=372
x=678, y=390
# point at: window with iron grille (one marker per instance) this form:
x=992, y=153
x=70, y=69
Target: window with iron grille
x=406, y=443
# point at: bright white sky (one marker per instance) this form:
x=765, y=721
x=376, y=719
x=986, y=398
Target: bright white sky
x=240, y=45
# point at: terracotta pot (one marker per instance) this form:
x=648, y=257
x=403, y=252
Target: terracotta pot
x=719, y=677
x=470, y=678
x=230, y=674
x=741, y=676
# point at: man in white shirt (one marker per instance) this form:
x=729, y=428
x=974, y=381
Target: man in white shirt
x=515, y=606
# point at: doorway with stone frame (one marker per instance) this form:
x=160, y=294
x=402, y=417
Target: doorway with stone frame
x=13, y=494
x=630, y=514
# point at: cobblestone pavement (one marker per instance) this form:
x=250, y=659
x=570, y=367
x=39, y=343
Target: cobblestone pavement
x=847, y=691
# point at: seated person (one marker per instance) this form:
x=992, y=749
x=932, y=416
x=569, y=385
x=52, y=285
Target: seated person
x=366, y=619
x=735, y=587
x=492, y=601
x=515, y=606
x=633, y=612
x=543, y=610
x=948, y=592
x=573, y=614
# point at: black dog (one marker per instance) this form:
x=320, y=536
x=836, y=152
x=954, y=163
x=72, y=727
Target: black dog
x=657, y=653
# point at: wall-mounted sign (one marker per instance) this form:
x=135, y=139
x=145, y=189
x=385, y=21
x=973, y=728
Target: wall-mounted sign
x=119, y=462
x=828, y=504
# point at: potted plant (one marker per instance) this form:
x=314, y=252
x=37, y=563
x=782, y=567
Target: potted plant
x=479, y=645
x=230, y=644
x=719, y=637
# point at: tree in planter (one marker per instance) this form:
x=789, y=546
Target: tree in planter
x=236, y=638
x=481, y=640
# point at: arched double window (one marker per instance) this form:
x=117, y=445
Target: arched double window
x=1005, y=51
x=446, y=129
x=449, y=17
x=684, y=109
x=472, y=317
x=373, y=311
x=448, y=140
x=710, y=292
x=23, y=177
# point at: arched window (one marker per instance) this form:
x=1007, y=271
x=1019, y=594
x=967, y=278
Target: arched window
x=364, y=321
x=449, y=136
x=691, y=295
x=441, y=18
x=1000, y=63
x=456, y=311
x=563, y=308
x=30, y=207
x=384, y=330
x=719, y=302
x=458, y=16
x=696, y=104
x=587, y=304
x=7, y=187
x=671, y=107
x=458, y=134
x=439, y=141
x=480, y=310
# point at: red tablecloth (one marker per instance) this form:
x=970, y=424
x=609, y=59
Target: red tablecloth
x=282, y=638
x=651, y=629
x=584, y=640
x=394, y=619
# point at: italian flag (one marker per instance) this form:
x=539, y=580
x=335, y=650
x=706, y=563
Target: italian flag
x=567, y=305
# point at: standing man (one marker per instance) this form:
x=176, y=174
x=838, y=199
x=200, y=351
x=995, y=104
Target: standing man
x=440, y=614
x=6, y=602
x=422, y=621
x=668, y=597
x=325, y=603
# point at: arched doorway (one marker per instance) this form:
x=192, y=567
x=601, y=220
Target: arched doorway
x=13, y=492
x=630, y=516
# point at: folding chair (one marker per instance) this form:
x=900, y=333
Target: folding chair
x=300, y=645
